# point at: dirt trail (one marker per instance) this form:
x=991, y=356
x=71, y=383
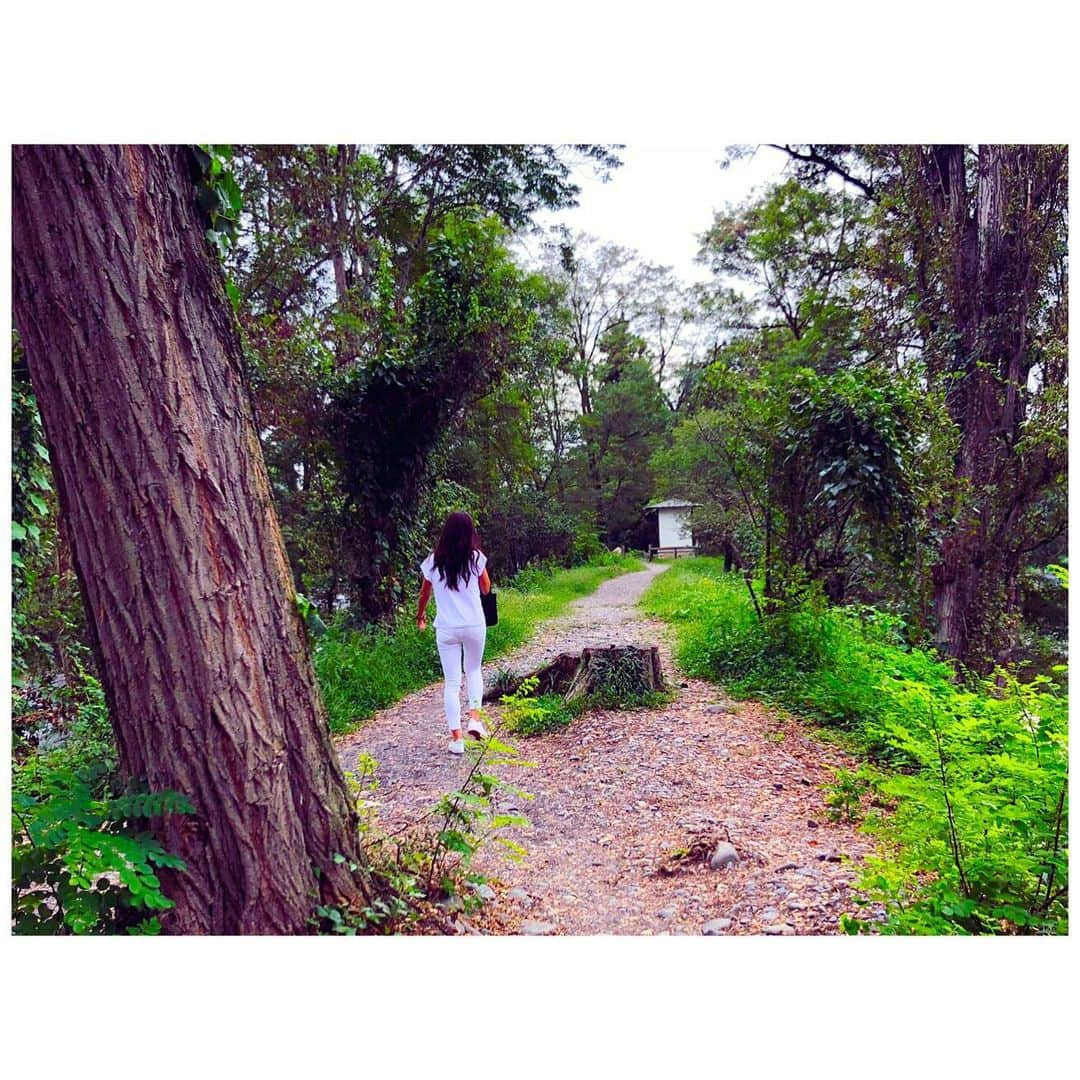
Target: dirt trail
x=617, y=792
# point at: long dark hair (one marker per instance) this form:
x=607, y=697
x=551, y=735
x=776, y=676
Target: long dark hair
x=454, y=551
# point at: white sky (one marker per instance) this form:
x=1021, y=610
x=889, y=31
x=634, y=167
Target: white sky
x=661, y=199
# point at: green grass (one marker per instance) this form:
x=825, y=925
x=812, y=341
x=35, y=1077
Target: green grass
x=361, y=671
x=966, y=779
x=823, y=662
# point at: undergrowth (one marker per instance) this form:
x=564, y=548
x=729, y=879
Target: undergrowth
x=969, y=775
x=424, y=871
x=83, y=858
x=539, y=715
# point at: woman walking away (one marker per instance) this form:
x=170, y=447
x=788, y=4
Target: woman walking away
x=455, y=572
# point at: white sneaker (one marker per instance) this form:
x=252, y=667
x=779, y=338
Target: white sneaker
x=476, y=728
x=457, y=746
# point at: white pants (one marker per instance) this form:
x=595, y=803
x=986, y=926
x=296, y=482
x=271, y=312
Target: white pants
x=452, y=643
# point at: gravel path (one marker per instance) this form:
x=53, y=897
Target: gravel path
x=617, y=793
x=605, y=617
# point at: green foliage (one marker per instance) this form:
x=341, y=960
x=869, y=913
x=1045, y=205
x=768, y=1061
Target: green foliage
x=364, y=670
x=47, y=622
x=526, y=715
x=31, y=474
x=89, y=738
x=31, y=499
x=83, y=861
x=459, y=332
x=430, y=860
x=999, y=367
x=585, y=544
x=361, y=671
x=365, y=380
x=979, y=823
x=66, y=725
x=469, y=817
x=844, y=795
x=823, y=661
x=602, y=395
x=219, y=198
x=310, y=614
x=628, y=423
x=522, y=526
x=811, y=439
x=973, y=774
x=820, y=471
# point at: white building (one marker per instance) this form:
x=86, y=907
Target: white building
x=676, y=535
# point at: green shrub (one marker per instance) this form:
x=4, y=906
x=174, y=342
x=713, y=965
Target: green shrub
x=537, y=716
x=978, y=833
x=585, y=546
x=534, y=577
x=844, y=795
x=83, y=860
x=974, y=772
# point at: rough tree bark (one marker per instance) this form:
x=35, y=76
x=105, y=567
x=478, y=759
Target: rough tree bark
x=137, y=370
x=991, y=222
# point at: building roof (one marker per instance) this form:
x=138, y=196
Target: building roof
x=672, y=504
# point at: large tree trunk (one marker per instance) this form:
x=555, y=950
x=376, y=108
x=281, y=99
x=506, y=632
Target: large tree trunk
x=969, y=233
x=991, y=224
x=137, y=370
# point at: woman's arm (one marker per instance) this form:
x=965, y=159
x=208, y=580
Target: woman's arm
x=485, y=582
x=425, y=595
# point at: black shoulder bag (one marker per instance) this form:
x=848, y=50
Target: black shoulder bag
x=490, y=605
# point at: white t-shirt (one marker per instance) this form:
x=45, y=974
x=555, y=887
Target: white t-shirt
x=460, y=606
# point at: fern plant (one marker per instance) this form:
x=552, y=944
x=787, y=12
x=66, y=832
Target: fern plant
x=83, y=861
x=525, y=715
x=977, y=841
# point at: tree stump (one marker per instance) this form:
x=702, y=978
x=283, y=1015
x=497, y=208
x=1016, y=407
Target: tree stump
x=611, y=673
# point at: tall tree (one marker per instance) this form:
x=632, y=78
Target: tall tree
x=355, y=380
x=600, y=294
x=979, y=241
x=627, y=426
x=137, y=369
x=666, y=314
x=812, y=418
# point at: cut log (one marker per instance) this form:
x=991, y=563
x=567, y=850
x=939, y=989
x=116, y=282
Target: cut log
x=553, y=678
x=617, y=673
x=613, y=673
